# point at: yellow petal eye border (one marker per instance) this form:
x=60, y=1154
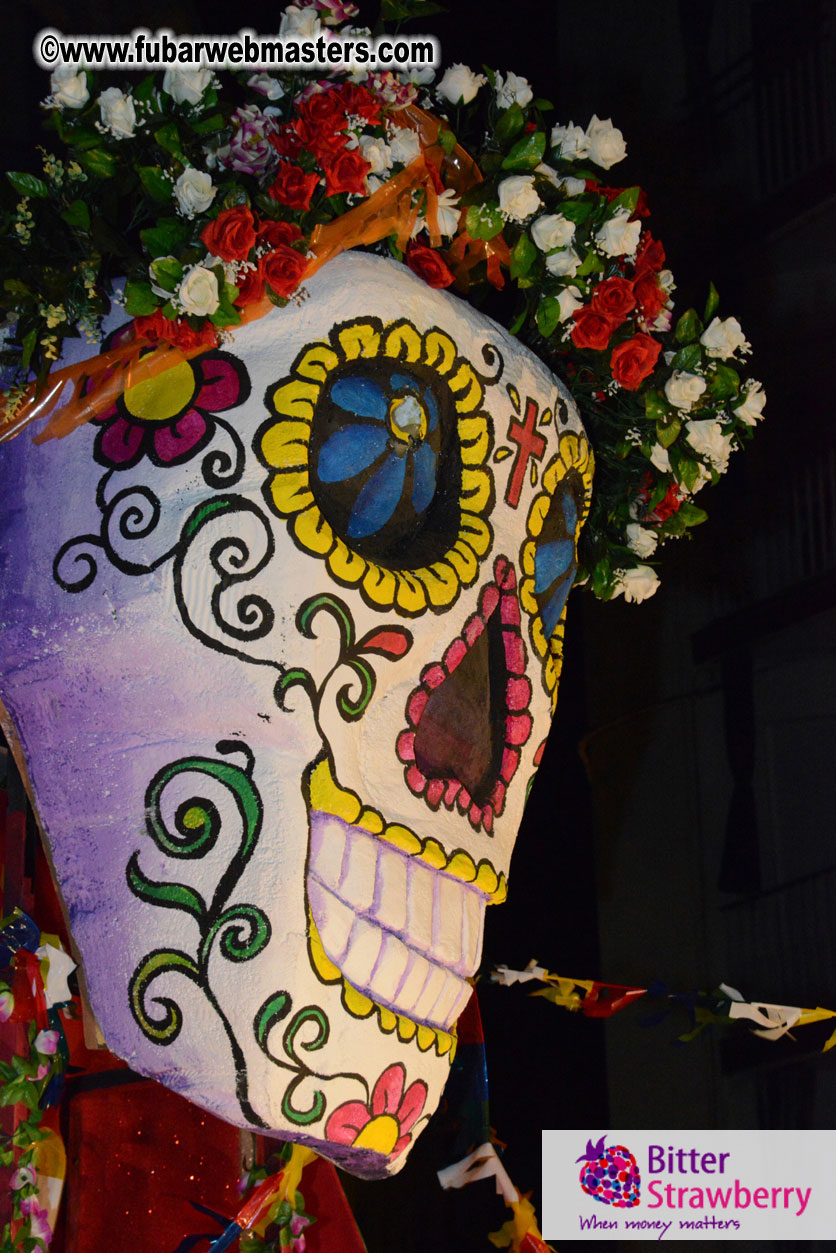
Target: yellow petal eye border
x=574, y=453
x=283, y=445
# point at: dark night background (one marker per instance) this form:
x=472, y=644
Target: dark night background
x=681, y=828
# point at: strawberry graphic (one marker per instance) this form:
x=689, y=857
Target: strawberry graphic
x=610, y=1175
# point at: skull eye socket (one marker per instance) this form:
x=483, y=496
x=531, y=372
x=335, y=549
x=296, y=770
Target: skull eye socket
x=385, y=462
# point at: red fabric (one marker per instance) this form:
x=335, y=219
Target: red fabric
x=335, y=1230
x=137, y=1155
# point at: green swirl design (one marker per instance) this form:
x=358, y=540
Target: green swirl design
x=241, y=931
x=163, y=1030
x=274, y=1011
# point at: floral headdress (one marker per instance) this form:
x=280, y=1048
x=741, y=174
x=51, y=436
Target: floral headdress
x=217, y=203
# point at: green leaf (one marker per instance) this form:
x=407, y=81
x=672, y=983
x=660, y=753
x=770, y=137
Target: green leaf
x=577, y=210
x=29, y=342
x=527, y=153
x=655, y=406
x=77, y=215
x=27, y=184
x=517, y=325
x=98, y=162
x=165, y=237
x=712, y=304
x=510, y=124
x=548, y=316
x=168, y=137
x=690, y=514
x=155, y=183
x=688, y=358
x=484, y=221
x=523, y=256
x=447, y=139
x=167, y=271
x=667, y=432
x=207, y=125
x=725, y=382
x=627, y=199
x=14, y=287
x=145, y=89
x=688, y=327
x=139, y=299
x=542, y=104
x=592, y=262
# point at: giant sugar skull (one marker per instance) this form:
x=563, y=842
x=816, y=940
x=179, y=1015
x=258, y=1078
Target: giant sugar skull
x=281, y=639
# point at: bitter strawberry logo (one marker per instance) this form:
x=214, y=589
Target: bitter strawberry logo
x=610, y=1175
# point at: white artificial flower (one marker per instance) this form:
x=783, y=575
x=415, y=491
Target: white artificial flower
x=266, y=85
x=405, y=146
x=571, y=141
x=460, y=84
x=376, y=152
x=724, y=338
x=517, y=197
x=619, y=237
x=373, y=184
x=605, y=143
x=568, y=301
x=665, y=280
x=186, y=86
x=118, y=113
x=193, y=192
x=707, y=439
x=660, y=459
x=448, y=213
x=549, y=173
x=573, y=186
x=564, y=263
x=68, y=87
x=552, y=230
x=198, y=292
x=683, y=390
x=641, y=539
x=637, y=584
x=512, y=90
x=751, y=407
x=300, y=23
x=419, y=76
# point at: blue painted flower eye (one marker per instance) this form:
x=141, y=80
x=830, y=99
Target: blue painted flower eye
x=385, y=467
x=554, y=559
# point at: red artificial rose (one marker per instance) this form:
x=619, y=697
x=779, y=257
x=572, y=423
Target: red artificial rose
x=591, y=329
x=359, y=102
x=158, y=329
x=632, y=361
x=287, y=143
x=292, y=186
x=250, y=287
x=325, y=110
x=614, y=299
x=650, y=256
x=344, y=171
x=429, y=265
x=283, y=269
x=231, y=235
x=668, y=505
x=650, y=296
x=271, y=233
x=319, y=140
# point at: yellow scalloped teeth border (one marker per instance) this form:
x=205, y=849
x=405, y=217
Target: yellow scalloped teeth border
x=326, y=795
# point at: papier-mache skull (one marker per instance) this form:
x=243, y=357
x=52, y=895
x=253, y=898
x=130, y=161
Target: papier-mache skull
x=282, y=631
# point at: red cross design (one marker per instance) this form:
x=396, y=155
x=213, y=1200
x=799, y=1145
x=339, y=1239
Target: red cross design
x=530, y=445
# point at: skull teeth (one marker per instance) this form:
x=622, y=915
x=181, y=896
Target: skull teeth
x=402, y=932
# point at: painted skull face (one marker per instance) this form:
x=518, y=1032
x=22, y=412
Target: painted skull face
x=282, y=632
